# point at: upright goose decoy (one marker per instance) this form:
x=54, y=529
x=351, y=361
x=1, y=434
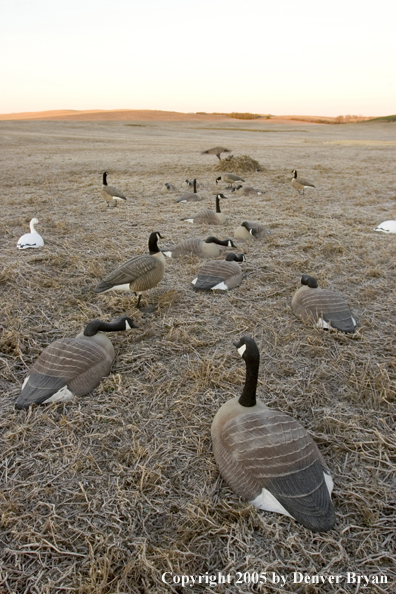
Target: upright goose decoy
x=110, y=193
x=220, y=274
x=268, y=458
x=72, y=366
x=229, y=178
x=190, y=196
x=387, y=227
x=208, y=248
x=169, y=188
x=217, y=150
x=299, y=184
x=326, y=308
x=207, y=216
x=32, y=239
x=138, y=274
x=248, y=230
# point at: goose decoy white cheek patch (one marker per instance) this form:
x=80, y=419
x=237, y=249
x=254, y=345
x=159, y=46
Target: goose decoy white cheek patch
x=242, y=349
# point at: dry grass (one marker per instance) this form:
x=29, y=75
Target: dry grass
x=103, y=495
x=243, y=164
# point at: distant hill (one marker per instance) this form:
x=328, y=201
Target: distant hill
x=112, y=115
x=390, y=118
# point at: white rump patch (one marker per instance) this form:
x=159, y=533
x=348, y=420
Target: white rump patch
x=354, y=322
x=189, y=220
x=268, y=502
x=25, y=382
x=241, y=350
x=118, y=198
x=194, y=281
x=120, y=288
x=168, y=254
x=329, y=482
x=322, y=324
x=222, y=286
x=62, y=395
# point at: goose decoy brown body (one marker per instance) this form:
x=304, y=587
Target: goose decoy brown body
x=32, y=239
x=247, y=190
x=72, y=366
x=190, y=196
x=325, y=307
x=220, y=274
x=229, y=178
x=268, y=458
x=217, y=150
x=387, y=227
x=167, y=187
x=207, y=216
x=111, y=194
x=203, y=248
x=249, y=230
x=138, y=274
x=299, y=184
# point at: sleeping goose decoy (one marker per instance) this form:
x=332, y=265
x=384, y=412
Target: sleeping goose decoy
x=387, y=227
x=247, y=190
x=208, y=248
x=138, y=274
x=72, y=366
x=268, y=458
x=110, y=193
x=248, y=230
x=32, y=239
x=326, y=308
x=220, y=274
x=169, y=188
x=217, y=150
x=207, y=216
x=299, y=184
x=229, y=178
x=190, y=196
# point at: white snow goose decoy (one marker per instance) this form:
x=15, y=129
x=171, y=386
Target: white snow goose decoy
x=139, y=273
x=72, y=366
x=387, y=227
x=32, y=239
x=220, y=274
x=327, y=308
x=268, y=458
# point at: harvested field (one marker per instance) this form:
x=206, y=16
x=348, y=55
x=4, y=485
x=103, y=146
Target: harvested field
x=104, y=494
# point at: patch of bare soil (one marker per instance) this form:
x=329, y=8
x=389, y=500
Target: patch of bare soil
x=105, y=494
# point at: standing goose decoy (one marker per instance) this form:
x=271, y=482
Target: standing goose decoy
x=32, y=239
x=138, y=274
x=207, y=216
x=220, y=274
x=299, y=184
x=248, y=230
x=387, y=227
x=268, y=458
x=326, y=308
x=217, y=150
x=190, y=196
x=208, y=248
x=72, y=366
x=110, y=193
x=229, y=178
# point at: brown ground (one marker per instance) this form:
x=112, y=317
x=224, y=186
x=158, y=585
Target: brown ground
x=104, y=495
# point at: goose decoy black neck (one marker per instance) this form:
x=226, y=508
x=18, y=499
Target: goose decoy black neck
x=218, y=197
x=225, y=242
x=309, y=281
x=231, y=257
x=248, y=350
x=153, y=242
x=105, y=178
x=122, y=323
x=294, y=172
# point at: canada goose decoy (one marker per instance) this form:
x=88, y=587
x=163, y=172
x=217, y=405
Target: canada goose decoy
x=220, y=274
x=138, y=274
x=217, y=150
x=72, y=366
x=326, y=308
x=299, y=184
x=229, y=178
x=207, y=216
x=248, y=230
x=110, y=193
x=169, y=188
x=268, y=458
x=190, y=196
x=189, y=183
x=387, y=227
x=203, y=248
x=247, y=190
x=32, y=239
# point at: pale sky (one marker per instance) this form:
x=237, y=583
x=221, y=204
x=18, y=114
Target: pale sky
x=279, y=57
